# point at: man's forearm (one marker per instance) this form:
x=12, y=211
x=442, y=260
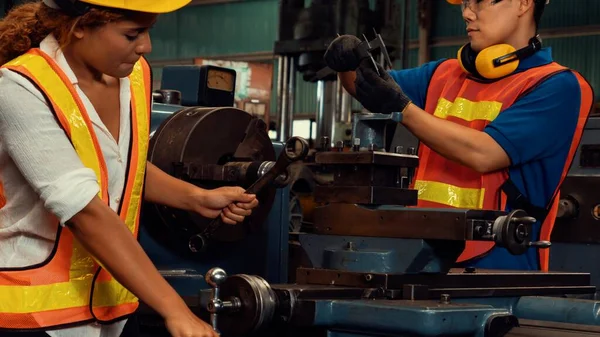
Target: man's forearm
x=105, y=236
x=472, y=148
x=163, y=189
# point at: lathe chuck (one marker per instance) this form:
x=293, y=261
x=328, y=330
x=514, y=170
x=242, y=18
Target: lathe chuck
x=210, y=148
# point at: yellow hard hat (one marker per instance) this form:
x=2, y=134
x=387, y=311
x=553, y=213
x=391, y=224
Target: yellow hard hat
x=147, y=6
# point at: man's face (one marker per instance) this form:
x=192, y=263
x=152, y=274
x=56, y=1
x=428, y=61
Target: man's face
x=114, y=48
x=490, y=22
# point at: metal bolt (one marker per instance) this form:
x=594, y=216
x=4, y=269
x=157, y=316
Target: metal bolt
x=356, y=144
x=325, y=143
x=372, y=147
x=350, y=246
x=445, y=299
x=339, y=145
x=399, y=149
x=521, y=233
x=412, y=151
x=368, y=277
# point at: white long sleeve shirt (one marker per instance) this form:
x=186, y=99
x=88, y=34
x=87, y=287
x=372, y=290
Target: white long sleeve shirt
x=42, y=176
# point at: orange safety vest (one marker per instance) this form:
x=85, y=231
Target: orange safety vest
x=70, y=287
x=442, y=183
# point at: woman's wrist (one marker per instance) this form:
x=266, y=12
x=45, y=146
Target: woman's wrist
x=190, y=197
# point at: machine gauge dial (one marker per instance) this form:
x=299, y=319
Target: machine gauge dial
x=220, y=80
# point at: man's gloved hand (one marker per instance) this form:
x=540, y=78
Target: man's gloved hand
x=378, y=94
x=340, y=54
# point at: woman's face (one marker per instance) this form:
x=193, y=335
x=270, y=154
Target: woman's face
x=114, y=48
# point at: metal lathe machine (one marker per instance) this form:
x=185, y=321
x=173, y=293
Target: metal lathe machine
x=363, y=262
x=370, y=265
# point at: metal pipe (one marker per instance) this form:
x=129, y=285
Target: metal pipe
x=405, y=34
x=288, y=132
x=330, y=110
x=339, y=91
x=282, y=92
x=346, y=109
x=320, y=118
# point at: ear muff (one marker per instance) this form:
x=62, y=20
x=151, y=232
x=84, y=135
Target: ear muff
x=484, y=62
x=466, y=58
x=495, y=61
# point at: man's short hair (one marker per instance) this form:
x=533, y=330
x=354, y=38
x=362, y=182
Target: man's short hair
x=539, y=7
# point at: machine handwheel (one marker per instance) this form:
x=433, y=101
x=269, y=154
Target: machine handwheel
x=257, y=305
x=514, y=233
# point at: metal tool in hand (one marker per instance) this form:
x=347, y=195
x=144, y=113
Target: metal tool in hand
x=296, y=148
x=378, y=43
x=363, y=50
x=368, y=52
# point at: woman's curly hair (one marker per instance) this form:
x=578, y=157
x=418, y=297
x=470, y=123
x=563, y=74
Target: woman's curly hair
x=25, y=26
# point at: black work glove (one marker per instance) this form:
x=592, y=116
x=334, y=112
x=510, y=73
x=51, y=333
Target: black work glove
x=378, y=94
x=340, y=55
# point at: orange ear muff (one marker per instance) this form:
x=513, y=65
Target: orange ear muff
x=485, y=61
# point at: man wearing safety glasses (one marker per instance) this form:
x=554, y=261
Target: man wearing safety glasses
x=498, y=126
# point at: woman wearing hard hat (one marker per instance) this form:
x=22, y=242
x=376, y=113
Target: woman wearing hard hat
x=75, y=101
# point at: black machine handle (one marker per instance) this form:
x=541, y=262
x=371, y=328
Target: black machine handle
x=296, y=148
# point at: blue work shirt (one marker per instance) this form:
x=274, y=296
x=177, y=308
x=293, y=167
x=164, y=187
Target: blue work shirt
x=536, y=133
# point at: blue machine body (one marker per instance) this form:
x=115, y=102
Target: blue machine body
x=263, y=253
x=464, y=317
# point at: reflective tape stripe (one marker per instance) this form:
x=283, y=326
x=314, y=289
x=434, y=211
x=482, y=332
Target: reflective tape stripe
x=450, y=195
x=468, y=110
x=76, y=293
x=141, y=129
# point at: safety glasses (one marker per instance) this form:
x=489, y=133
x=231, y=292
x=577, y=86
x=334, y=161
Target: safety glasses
x=478, y=5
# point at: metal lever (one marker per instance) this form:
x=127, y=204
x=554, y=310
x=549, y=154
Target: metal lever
x=214, y=278
x=528, y=220
x=540, y=244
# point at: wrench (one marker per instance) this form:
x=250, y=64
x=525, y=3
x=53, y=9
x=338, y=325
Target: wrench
x=291, y=153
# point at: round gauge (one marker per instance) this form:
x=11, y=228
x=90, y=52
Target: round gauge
x=220, y=80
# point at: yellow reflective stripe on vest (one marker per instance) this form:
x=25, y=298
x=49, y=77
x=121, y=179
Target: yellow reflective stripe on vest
x=468, y=110
x=75, y=293
x=140, y=105
x=17, y=300
x=450, y=195
x=81, y=137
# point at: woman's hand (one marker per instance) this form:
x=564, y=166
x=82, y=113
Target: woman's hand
x=187, y=324
x=231, y=203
